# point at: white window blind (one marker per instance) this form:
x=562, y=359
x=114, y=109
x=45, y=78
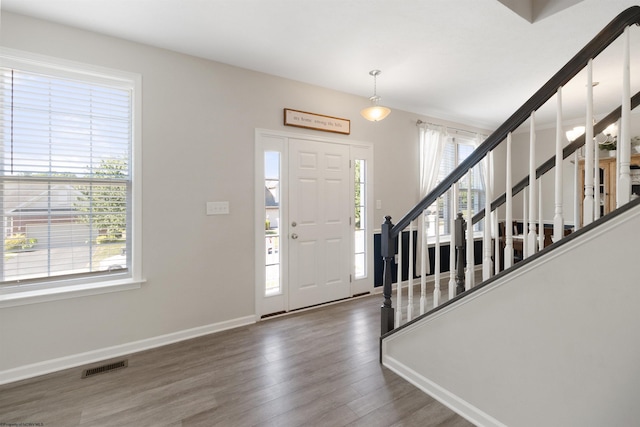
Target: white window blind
x=456, y=150
x=65, y=175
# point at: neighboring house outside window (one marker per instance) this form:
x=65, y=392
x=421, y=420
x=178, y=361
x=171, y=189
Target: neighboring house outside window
x=67, y=186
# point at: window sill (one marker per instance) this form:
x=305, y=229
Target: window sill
x=15, y=297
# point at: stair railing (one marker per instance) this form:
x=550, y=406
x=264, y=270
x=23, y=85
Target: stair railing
x=532, y=200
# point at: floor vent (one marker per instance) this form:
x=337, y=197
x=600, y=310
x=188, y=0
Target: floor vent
x=120, y=364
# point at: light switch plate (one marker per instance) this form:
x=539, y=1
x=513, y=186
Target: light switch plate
x=217, y=208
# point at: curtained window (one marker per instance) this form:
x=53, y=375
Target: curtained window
x=441, y=152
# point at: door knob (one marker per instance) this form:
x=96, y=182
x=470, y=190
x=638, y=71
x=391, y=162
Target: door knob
x=294, y=236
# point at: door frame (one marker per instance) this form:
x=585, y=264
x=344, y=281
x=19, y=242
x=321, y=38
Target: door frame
x=271, y=140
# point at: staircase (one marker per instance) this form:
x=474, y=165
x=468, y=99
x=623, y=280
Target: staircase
x=549, y=340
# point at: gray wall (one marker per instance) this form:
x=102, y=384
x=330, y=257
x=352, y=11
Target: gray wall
x=199, y=119
x=552, y=345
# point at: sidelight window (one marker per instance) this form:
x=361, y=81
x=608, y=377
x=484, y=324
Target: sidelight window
x=272, y=217
x=360, y=221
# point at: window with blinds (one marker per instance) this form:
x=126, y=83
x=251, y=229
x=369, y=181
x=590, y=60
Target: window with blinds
x=456, y=150
x=65, y=174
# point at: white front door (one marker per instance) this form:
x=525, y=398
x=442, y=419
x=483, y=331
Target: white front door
x=313, y=229
x=319, y=230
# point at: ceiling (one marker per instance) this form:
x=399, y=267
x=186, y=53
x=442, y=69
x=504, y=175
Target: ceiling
x=470, y=61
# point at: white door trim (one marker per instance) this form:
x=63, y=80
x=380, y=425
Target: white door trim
x=271, y=140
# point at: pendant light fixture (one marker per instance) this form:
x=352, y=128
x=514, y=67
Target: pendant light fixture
x=573, y=134
x=375, y=112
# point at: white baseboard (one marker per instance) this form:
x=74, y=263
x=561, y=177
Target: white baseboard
x=72, y=361
x=455, y=403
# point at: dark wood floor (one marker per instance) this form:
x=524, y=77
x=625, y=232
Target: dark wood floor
x=313, y=368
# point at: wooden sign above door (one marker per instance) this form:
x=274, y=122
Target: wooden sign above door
x=302, y=119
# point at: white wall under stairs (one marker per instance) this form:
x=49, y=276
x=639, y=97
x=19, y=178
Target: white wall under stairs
x=556, y=343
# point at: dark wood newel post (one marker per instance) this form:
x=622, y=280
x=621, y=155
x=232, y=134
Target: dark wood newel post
x=388, y=254
x=460, y=242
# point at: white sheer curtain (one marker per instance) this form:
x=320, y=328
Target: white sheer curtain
x=432, y=142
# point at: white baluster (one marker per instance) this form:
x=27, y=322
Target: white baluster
x=558, y=219
x=423, y=263
x=525, y=221
x=623, y=190
x=508, y=226
x=486, y=241
x=540, y=221
x=470, y=276
x=533, y=194
x=496, y=240
x=597, y=197
x=410, y=275
x=436, y=279
x=588, y=204
x=452, y=241
x=399, y=283
x=495, y=262
x=577, y=192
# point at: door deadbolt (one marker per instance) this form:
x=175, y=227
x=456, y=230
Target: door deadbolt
x=293, y=224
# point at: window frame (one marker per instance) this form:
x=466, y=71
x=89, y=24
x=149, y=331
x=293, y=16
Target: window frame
x=445, y=200
x=55, y=288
